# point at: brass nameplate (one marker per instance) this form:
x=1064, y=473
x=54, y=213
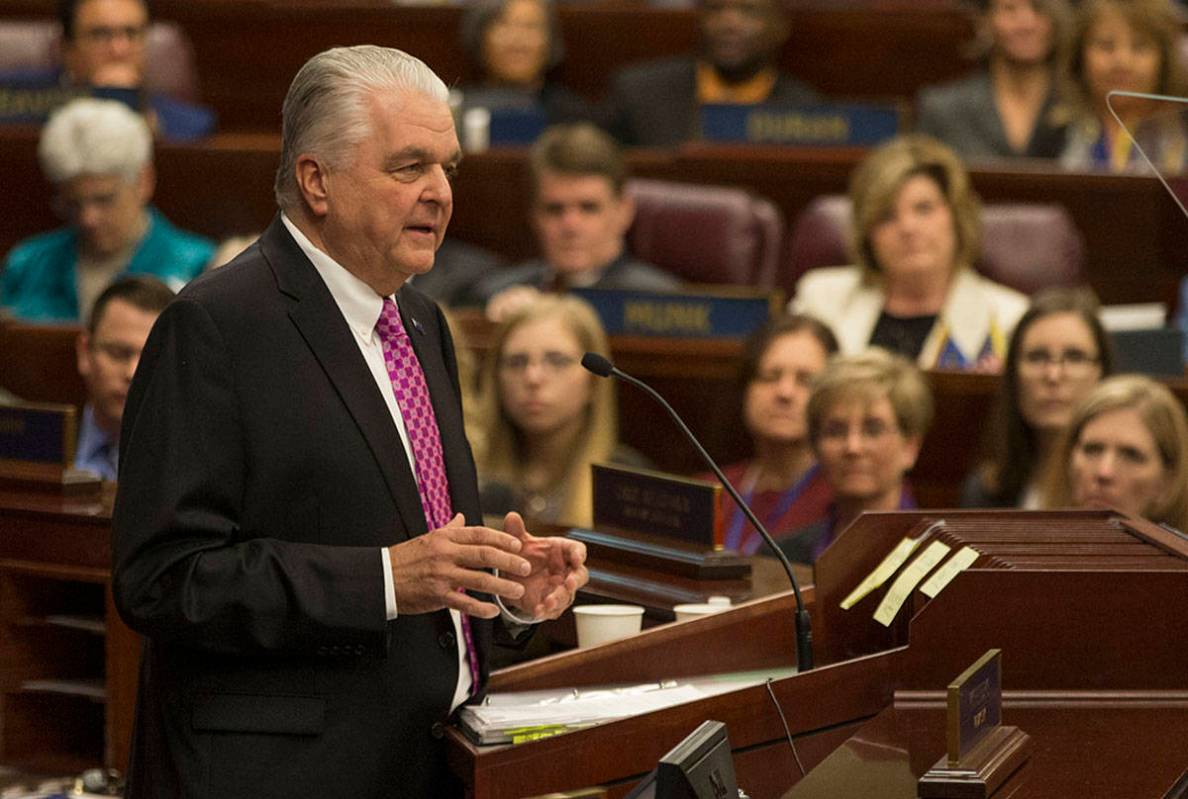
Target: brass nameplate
x=642, y=501
x=975, y=705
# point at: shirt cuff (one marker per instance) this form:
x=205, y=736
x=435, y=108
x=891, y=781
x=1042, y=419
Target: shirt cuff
x=389, y=586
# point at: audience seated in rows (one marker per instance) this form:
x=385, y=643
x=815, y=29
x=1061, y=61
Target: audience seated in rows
x=916, y=234
x=543, y=418
x=1057, y=355
x=513, y=46
x=656, y=104
x=1004, y=109
x=1125, y=45
x=580, y=215
x=108, y=351
x=1126, y=448
x=782, y=481
x=97, y=154
x=103, y=50
x=867, y=417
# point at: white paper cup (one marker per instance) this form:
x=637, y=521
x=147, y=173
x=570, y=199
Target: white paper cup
x=694, y=611
x=597, y=624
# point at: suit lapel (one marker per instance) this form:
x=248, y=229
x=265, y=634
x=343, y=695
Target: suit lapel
x=325, y=331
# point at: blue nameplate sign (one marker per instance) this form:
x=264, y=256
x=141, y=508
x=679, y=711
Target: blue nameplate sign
x=643, y=501
x=811, y=125
x=703, y=316
x=974, y=705
x=516, y=126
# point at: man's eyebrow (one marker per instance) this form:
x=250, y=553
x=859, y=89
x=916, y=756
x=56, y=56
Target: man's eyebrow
x=416, y=154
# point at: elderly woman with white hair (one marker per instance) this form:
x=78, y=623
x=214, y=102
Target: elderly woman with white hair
x=98, y=156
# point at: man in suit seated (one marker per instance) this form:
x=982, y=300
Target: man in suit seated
x=580, y=214
x=108, y=351
x=97, y=153
x=104, y=53
x=656, y=104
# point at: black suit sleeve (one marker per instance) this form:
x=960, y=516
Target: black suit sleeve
x=185, y=569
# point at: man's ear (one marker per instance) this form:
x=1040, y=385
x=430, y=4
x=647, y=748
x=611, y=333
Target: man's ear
x=626, y=212
x=146, y=184
x=311, y=181
x=82, y=353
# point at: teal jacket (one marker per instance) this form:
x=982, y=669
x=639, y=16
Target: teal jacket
x=37, y=283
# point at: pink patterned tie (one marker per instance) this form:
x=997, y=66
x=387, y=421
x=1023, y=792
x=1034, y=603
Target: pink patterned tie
x=412, y=395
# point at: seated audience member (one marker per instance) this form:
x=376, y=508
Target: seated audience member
x=97, y=153
x=580, y=214
x=656, y=104
x=867, y=417
x=1004, y=109
x=1126, y=45
x=1126, y=448
x=513, y=45
x=916, y=235
x=457, y=268
x=108, y=351
x=1058, y=353
x=782, y=482
x=104, y=50
x=543, y=418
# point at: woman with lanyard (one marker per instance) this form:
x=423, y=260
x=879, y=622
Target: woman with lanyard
x=781, y=482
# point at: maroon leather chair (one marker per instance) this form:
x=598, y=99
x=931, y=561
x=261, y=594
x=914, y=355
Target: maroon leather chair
x=36, y=44
x=1026, y=246
x=706, y=234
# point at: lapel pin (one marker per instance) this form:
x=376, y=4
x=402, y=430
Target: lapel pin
x=417, y=326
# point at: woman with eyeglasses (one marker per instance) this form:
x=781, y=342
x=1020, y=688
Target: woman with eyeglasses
x=545, y=419
x=1058, y=353
x=1126, y=448
x=867, y=417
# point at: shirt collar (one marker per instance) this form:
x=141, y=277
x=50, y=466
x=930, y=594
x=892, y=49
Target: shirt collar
x=96, y=450
x=359, y=303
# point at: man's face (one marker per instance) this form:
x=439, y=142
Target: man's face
x=739, y=37
x=106, y=210
x=107, y=359
x=108, y=48
x=580, y=221
x=384, y=212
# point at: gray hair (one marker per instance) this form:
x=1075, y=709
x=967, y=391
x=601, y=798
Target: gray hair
x=326, y=110
x=94, y=137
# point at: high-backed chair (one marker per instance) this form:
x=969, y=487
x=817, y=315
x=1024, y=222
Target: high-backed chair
x=36, y=45
x=706, y=234
x=1027, y=246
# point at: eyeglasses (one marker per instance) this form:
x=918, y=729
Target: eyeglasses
x=869, y=429
x=1074, y=362
x=104, y=34
x=552, y=361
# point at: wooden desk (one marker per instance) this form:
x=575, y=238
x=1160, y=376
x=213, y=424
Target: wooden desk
x=69, y=673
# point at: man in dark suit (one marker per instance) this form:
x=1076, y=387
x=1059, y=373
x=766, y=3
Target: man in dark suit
x=656, y=104
x=296, y=531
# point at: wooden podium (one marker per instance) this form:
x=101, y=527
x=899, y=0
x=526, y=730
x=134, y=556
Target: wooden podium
x=1089, y=609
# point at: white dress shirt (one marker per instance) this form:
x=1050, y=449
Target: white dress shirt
x=361, y=308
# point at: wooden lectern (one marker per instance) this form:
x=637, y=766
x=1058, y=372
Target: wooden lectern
x=1088, y=607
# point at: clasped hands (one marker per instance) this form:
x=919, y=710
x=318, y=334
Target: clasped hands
x=538, y=576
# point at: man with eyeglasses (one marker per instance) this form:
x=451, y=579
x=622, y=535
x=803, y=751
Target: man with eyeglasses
x=104, y=54
x=108, y=351
x=97, y=154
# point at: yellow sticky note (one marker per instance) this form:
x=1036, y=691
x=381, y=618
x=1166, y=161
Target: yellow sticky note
x=897, y=557
x=907, y=580
x=960, y=561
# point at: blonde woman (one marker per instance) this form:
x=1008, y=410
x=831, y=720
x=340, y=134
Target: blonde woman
x=1127, y=448
x=545, y=419
x=917, y=232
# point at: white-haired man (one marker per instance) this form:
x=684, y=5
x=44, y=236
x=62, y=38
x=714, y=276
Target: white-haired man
x=98, y=156
x=297, y=526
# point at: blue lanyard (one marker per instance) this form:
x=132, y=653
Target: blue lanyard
x=734, y=537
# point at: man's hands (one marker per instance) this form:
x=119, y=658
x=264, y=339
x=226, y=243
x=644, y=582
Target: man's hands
x=428, y=570
x=558, y=571
x=539, y=576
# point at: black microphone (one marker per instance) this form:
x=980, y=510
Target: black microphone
x=804, y=628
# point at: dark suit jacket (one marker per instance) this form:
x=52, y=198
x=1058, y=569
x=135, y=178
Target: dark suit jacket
x=261, y=474
x=655, y=104
x=625, y=273
x=964, y=116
